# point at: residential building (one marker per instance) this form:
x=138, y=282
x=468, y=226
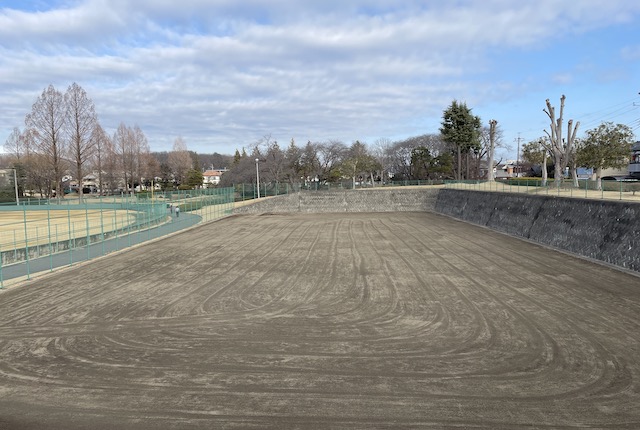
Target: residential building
x=212, y=178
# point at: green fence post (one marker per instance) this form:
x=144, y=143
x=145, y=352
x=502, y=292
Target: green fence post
x=114, y=224
x=26, y=241
x=86, y=217
x=70, y=236
x=49, y=234
x=102, y=225
x=127, y=221
x=621, y=190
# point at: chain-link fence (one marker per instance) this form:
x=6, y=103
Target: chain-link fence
x=40, y=235
x=612, y=190
x=244, y=192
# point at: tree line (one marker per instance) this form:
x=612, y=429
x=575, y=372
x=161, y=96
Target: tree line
x=458, y=151
x=64, y=138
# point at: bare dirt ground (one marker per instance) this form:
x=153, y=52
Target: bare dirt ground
x=358, y=321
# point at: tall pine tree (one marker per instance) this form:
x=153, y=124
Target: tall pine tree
x=461, y=129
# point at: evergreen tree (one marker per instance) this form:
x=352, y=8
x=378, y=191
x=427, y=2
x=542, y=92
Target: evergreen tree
x=194, y=178
x=461, y=129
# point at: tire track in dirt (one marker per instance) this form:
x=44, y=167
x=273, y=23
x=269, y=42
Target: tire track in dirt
x=332, y=320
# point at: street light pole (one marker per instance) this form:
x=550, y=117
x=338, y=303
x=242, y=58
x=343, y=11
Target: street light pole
x=257, y=178
x=15, y=184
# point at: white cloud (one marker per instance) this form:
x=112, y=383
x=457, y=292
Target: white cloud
x=221, y=72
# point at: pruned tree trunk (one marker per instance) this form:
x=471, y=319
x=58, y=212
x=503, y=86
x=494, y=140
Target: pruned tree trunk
x=492, y=138
x=574, y=173
x=560, y=148
x=545, y=174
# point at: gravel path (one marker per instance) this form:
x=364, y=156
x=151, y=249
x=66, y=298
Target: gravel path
x=358, y=321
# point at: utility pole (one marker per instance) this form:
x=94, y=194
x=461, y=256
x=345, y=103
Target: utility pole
x=518, y=156
x=257, y=177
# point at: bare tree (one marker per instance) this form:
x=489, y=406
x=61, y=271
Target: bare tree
x=560, y=148
x=274, y=163
x=101, y=144
x=110, y=164
x=80, y=124
x=329, y=155
x=400, y=153
x=15, y=143
x=309, y=164
x=150, y=168
x=381, y=150
x=127, y=143
x=15, y=146
x=180, y=160
x=46, y=121
x=141, y=152
x=483, y=151
x=40, y=175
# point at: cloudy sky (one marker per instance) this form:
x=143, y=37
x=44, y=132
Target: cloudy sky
x=222, y=74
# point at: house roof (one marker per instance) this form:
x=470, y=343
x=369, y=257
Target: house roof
x=212, y=173
x=636, y=147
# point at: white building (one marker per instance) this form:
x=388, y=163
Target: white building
x=211, y=178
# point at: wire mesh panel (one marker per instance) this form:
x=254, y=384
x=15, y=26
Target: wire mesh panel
x=39, y=235
x=607, y=190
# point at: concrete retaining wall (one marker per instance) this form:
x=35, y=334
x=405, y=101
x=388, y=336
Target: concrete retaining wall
x=367, y=200
x=604, y=230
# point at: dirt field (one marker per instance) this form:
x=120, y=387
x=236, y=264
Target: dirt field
x=355, y=321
